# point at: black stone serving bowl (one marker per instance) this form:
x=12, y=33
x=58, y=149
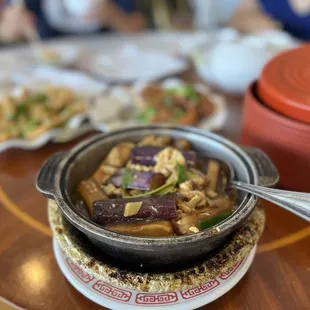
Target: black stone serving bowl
x=59, y=177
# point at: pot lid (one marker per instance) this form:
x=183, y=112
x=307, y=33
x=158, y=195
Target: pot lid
x=284, y=84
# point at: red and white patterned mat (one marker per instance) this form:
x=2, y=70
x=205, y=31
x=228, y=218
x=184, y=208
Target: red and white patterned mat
x=114, y=297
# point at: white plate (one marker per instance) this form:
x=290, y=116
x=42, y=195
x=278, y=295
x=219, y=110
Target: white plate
x=67, y=55
x=118, y=298
x=77, y=81
x=130, y=63
x=173, y=42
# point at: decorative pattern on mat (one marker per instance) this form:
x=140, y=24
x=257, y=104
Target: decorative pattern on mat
x=193, y=297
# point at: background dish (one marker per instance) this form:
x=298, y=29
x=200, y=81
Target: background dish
x=43, y=77
x=58, y=115
x=121, y=110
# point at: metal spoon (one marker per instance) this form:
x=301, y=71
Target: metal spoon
x=295, y=202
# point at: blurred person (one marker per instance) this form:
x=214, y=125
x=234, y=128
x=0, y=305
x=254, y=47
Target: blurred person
x=258, y=15
x=67, y=17
x=210, y=14
x=250, y=16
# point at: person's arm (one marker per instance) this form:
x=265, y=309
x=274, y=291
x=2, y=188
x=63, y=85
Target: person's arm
x=15, y=23
x=111, y=15
x=125, y=22
x=250, y=18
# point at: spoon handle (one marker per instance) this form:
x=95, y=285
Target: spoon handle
x=295, y=202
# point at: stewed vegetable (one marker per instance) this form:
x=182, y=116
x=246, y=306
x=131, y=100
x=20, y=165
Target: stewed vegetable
x=135, y=209
x=158, y=187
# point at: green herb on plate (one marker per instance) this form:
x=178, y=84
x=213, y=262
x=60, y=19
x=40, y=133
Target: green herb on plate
x=40, y=98
x=31, y=125
x=28, y=127
x=179, y=112
x=168, y=101
x=11, y=117
x=66, y=112
x=187, y=90
x=191, y=93
x=147, y=115
x=21, y=109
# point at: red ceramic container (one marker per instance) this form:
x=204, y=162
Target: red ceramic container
x=285, y=140
x=284, y=84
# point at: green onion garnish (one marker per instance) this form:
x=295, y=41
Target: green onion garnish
x=214, y=220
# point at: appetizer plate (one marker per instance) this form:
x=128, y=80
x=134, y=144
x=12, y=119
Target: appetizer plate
x=46, y=76
x=115, y=110
x=114, y=297
x=73, y=130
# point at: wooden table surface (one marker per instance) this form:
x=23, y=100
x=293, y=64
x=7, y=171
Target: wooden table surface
x=29, y=276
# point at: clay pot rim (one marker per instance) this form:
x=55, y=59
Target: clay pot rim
x=252, y=97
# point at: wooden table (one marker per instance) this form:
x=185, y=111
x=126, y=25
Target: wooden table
x=29, y=276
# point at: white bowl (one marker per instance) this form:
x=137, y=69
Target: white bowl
x=233, y=66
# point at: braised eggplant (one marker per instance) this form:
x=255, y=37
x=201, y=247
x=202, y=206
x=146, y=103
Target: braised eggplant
x=157, y=187
x=145, y=155
x=151, y=208
x=140, y=180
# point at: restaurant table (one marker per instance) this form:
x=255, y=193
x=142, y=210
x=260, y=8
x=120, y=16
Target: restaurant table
x=279, y=277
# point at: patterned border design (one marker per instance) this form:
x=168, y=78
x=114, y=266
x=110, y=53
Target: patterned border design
x=148, y=299
x=230, y=271
x=80, y=273
x=158, y=299
x=199, y=290
x=112, y=291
